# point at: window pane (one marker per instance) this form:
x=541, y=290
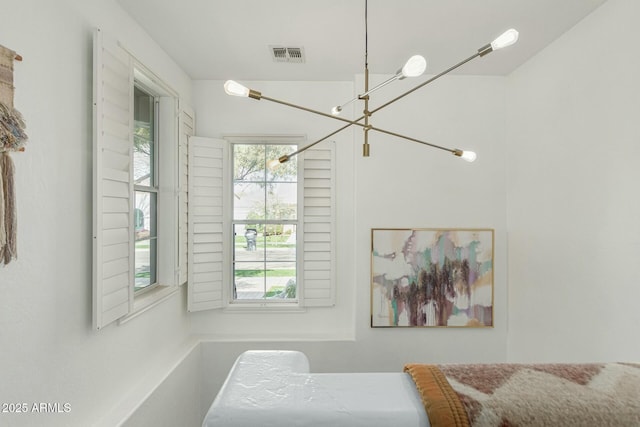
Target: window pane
x=281, y=171
x=249, y=279
x=143, y=146
x=145, y=239
x=281, y=201
x=281, y=280
x=248, y=162
x=248, y=201
x=248, y=243
x=280, y=242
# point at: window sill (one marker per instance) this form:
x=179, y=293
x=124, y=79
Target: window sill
x=262, y=307
x=149, y=300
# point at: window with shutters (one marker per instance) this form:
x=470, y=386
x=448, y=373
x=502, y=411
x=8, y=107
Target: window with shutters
x=260, y=236
x=265, y=223
x=135, y=186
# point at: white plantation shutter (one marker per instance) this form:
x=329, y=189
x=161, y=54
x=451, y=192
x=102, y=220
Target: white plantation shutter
x=112, y=169
x=208, y=231
x=319, y=247
x=187, y=130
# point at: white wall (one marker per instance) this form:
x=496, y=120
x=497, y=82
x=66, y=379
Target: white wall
x=405, y=184
x=49, y=352
x=573, y=142
x=177, y=400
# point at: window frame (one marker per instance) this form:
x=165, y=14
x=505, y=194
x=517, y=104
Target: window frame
x=155, y=179
x=269, y=304
x=166, y=160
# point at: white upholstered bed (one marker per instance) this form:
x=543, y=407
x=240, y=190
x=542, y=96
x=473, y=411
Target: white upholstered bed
x=275, y=388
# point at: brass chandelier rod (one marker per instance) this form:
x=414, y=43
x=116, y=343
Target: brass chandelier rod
x=310, y=110
x=365, y=97
x=365, y=126
x=286, y=157
x=397, y=135
x=432, y=79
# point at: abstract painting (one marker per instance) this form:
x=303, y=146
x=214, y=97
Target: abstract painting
x=431, y=277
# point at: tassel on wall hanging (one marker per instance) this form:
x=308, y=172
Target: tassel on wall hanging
x=12, y=138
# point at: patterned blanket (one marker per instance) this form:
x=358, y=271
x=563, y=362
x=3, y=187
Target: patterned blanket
x=605, y=394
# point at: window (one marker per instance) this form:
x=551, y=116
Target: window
x=136, y=188
x=256, y=234
x=265, y=223
x=145, y=183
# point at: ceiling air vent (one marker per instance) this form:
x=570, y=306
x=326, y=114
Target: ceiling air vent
x=287, y=54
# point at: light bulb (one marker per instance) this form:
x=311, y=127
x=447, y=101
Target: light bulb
x=273, y=163
x=414, y=67
x=507, y=38
x=336, y=110
x=469, y=156
x=236, y=89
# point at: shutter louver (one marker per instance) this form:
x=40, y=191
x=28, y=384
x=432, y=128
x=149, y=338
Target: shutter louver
x=319, y=226
x=208, y=161
x=112, y=204
x=187, y=129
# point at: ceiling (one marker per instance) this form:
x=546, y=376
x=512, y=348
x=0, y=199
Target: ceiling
x=223, y=39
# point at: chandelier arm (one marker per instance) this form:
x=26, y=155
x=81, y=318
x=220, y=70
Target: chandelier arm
x=380, y=86
x=286, y=157
x=448, y=70
x=451, y=150
x=361, y=96
x=310, y=110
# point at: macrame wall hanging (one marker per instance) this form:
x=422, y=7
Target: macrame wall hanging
x=12, y=138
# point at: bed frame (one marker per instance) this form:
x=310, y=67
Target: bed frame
x=275, y=389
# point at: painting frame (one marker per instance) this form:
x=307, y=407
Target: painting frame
x=432, y=277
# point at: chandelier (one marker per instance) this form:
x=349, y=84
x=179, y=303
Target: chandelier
x=414, y=67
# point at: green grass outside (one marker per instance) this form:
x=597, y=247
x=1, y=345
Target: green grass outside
x=269, y=273
x=274, y=290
